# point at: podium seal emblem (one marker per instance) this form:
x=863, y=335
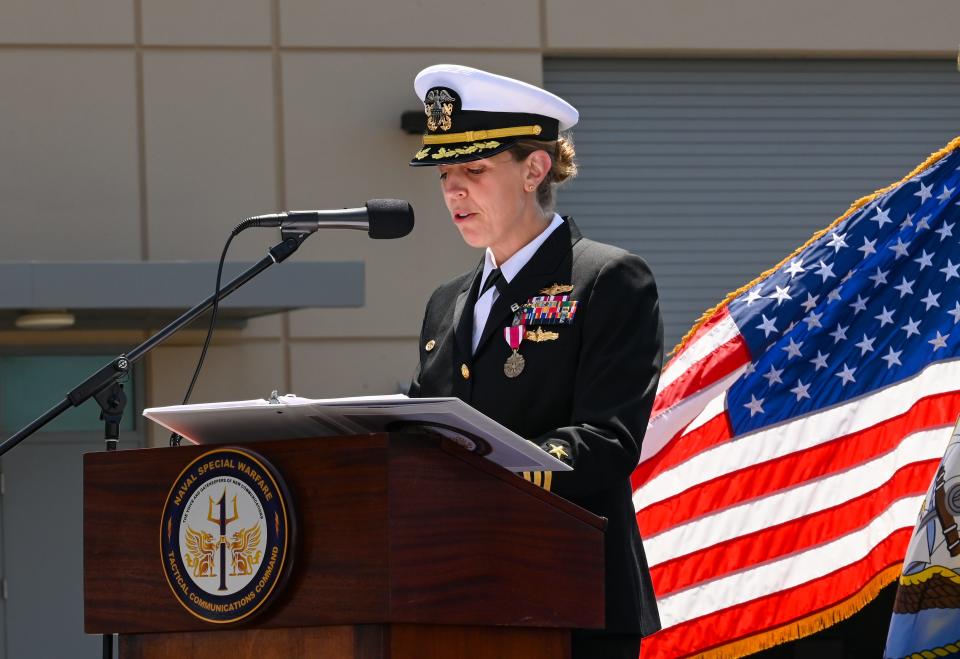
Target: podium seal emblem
x=227, y=535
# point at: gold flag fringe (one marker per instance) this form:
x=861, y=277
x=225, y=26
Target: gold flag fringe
x=857, y=205
x=805, y=626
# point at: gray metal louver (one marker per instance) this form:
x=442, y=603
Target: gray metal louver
x=714, y=170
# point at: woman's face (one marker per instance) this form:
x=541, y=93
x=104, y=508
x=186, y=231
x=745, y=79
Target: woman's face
x=486, y=198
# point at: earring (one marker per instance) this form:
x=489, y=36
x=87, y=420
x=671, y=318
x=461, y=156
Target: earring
x=528, y=187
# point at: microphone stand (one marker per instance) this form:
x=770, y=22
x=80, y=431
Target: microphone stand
x=105, y=385
x=117, y=368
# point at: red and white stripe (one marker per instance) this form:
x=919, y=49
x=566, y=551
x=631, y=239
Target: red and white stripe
x=749, y=534
x=710, y=362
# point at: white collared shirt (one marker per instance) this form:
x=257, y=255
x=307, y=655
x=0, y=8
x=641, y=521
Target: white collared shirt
x=509, y=270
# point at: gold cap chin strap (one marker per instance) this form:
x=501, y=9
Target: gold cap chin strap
x=478, y=135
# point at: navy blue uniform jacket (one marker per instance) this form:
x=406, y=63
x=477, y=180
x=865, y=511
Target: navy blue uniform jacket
x=591, y=389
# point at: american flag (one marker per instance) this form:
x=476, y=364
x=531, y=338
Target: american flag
x=798, y=426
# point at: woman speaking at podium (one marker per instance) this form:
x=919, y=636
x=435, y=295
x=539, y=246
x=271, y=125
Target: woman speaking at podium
x=555, y=336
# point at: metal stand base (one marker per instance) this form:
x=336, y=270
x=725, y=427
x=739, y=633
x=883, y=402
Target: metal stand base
x=112, y=401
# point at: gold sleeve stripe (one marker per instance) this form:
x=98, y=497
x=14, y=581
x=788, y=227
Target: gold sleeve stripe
x=479, y=135
x=538, y=478
x=526, y=476
x=547, y=480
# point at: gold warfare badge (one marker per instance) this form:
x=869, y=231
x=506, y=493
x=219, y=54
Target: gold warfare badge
x=227, y=535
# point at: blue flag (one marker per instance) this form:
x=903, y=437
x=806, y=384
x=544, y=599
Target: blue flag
x=926, y=614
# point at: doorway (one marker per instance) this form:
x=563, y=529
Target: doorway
x=41, y=502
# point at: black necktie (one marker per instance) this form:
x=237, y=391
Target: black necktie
x=493, y=279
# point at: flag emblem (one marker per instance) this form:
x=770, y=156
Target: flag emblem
x=926, y=613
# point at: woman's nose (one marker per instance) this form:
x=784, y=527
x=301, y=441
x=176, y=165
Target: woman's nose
x=453, y=187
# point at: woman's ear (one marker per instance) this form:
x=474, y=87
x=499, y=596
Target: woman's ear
x=538, y=166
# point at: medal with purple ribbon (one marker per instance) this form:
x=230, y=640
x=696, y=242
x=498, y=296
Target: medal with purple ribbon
x=515, y=362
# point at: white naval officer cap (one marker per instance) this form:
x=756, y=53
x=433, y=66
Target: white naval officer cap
x=473, y=114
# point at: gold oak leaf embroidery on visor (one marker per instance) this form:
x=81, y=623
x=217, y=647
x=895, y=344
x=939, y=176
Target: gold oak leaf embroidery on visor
x=444, y=152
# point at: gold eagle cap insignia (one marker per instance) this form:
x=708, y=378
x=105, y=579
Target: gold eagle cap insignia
x=438, y=106
x=556, y=289
x=539, y=335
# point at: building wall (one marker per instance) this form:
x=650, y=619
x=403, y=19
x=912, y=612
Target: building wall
x=792, y=28
x=145, y=129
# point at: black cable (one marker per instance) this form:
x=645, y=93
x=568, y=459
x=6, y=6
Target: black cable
x=175, y=437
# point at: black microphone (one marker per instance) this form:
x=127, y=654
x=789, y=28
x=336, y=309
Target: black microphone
x=380, y=218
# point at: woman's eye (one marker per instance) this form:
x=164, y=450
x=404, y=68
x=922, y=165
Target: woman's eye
x=478, y=170
x=443, y=175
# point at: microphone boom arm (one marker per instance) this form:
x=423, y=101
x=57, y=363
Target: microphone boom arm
x=114, y=370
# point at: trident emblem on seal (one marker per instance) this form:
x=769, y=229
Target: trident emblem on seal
x=222, y=521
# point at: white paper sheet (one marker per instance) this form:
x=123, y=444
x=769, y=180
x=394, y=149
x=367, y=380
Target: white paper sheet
x=295, y=417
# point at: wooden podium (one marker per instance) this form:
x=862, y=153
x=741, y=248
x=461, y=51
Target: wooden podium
x=408, y=548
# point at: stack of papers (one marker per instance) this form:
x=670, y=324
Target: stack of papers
x=290, y=417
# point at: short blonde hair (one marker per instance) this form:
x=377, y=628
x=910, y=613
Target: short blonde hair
x=563, y=166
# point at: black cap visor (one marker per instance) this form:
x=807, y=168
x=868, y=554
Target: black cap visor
x=472, y=135
x=451, y=154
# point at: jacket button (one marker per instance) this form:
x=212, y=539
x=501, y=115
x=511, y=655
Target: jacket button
x=464, y=371
x=430, y=345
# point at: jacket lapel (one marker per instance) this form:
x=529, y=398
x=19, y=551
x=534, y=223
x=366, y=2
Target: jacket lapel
x=538, y=273
x=463, y=313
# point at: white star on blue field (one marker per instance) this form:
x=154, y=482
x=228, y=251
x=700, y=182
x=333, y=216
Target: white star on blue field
x=868, y=304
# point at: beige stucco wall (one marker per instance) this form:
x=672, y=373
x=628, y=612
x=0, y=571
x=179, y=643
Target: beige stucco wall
x=145, y=129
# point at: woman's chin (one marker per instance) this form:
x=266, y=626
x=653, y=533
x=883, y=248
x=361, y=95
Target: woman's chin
x=471, y=237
